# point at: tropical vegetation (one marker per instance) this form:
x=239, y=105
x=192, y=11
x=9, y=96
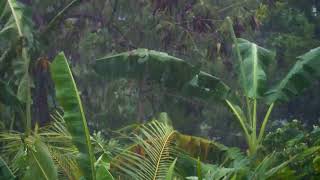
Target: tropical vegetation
x=89, y=90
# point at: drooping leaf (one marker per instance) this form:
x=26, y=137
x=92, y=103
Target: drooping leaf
x=146, y=64
x=206, y=87
x=199, y=147
x=40, y=163
x=301, y=76
x=173, y=73
x=5, y=172
x=68, y=97
x=255, y=60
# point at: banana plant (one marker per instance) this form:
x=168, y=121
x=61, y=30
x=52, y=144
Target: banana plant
x=17, y=30
x=253, y=60
x=68, y=97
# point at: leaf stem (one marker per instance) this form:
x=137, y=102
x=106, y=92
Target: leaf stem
x=265, y=120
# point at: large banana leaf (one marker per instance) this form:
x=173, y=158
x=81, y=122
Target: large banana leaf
x=41, y=165
x=173, y=73
x=5, y=172
x=146, y=64
x=69, y=99
x=255, y=60
x=304, y=72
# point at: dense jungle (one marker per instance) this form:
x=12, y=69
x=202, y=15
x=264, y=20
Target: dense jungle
x=159, y=89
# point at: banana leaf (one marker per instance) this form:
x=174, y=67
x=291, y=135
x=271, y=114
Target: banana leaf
x=174, y=74
x=16, y=27
x=146, y=64
x=16, y=20
x=305, y=71
x=68, y=97
x=41, y=165
x=255, y=60
x=207, y=87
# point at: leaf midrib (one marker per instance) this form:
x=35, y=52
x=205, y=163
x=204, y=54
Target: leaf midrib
x=15, y=17
x=255, y=66
x=38, y=163
x=161, y=153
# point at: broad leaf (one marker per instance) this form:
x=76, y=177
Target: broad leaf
x=174, y=74
x=255, y=60
x=147, y=64
x=302, y=75
x=41, y=165
x=69, y=99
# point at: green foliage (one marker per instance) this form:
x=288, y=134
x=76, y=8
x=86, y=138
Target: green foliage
x=17, y=30
x=194, y=31
x=293, y=139
x=305, y=71
x=5, y=170
x=8, y=97
x=173, y=73
x=40, y=163
x=155, y=152
x=102, y=169
x=68, y=97
x=255, y=60
x=253, y=77
x=170, y=173
x=16, y=22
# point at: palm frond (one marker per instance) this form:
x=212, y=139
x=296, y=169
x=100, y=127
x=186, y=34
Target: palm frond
x=57, y=140
x=153, y=155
